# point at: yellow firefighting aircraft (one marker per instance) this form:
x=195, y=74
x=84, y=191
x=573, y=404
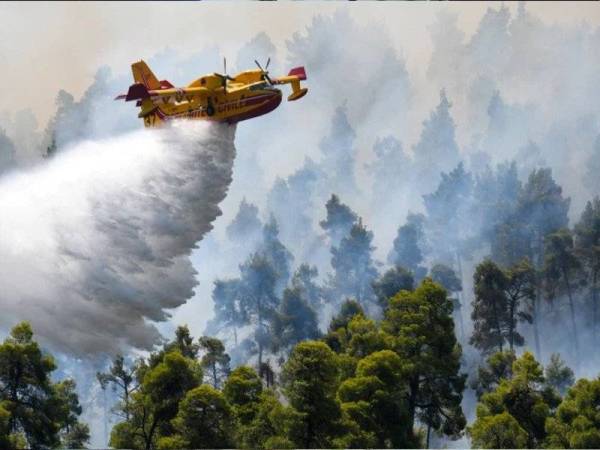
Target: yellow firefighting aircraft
x=214, y=97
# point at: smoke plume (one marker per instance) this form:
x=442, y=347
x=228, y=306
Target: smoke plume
x=95, y=244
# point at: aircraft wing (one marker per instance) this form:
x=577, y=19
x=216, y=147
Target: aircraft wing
x=139, y=91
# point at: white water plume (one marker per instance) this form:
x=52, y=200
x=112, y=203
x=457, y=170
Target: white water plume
x=95, y=244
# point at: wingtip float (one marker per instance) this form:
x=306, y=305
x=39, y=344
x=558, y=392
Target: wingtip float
x=214, y=97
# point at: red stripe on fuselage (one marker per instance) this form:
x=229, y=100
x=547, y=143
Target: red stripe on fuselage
x=268, y=103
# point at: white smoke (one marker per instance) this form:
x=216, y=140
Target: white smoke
x=95, y=245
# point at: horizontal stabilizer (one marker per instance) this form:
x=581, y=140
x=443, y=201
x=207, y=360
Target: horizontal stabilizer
x=136, y=92
x=298, y=72
x=165, y=84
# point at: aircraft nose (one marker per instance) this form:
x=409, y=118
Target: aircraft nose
x=275, y=98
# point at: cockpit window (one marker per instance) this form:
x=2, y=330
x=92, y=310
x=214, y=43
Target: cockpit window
x=259, y=86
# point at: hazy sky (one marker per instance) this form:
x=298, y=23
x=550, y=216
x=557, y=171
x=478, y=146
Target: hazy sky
x=45, y=47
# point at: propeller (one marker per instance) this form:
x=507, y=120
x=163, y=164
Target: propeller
x=265, y=71
x=224, y=77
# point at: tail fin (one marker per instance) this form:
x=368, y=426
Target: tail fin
x=143, y=75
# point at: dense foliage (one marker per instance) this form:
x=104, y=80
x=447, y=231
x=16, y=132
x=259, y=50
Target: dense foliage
x=366, y=383
x=35, y=411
